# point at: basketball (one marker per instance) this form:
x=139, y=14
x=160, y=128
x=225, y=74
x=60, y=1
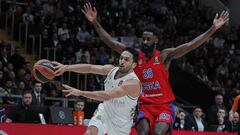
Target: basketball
x=43, y=71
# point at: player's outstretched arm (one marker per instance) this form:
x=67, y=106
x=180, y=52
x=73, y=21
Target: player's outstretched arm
x=91, y=14
x=218, y=22
x=82, y=68
x=131, y=88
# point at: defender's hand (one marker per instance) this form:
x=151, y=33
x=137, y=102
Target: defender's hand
x=90, y=12
x=221, y=19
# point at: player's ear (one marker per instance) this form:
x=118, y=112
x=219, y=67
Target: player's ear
x=156, y=39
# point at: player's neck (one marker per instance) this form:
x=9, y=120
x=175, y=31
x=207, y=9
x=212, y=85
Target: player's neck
x=149, y=55
x=122, y=74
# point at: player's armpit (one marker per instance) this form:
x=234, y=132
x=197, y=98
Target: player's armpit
x=129, y=87
x=133, y=87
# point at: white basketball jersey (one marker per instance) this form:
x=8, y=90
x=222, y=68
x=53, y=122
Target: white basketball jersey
x=120, y=111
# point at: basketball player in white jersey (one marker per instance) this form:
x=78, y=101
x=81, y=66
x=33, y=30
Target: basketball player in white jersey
x=115, y=115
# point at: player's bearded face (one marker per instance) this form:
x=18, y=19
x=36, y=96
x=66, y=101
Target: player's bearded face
x=148, y=43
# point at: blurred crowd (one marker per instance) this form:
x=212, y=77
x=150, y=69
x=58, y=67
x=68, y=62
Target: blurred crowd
x=64, y=27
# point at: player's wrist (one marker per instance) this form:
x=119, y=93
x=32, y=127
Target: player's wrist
x=95, y=22
x=67, y=67
x=80, y=93
x=214, y=28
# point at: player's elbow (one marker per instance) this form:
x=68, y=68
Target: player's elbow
x=106, y=98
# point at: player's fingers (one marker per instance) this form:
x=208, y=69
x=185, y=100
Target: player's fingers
x=69, y=94
x=226, y=15
x=55, y=63
x=66, y=86
x=58, y=70
x=216, y=16
x=90, y=5
x=222, y=13
x=58, y=73
x=57, y=67
x=83, y=11
x=85, y=8
x=87, y=5
x=226, y=20
x=94, y=9
x=66, y=91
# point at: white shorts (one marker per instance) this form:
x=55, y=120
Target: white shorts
x=98, y=120
x=104, y=125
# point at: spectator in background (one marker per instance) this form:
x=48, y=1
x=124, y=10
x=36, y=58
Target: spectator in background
x=2, y=115
x=1, y=78
x=24, y=112
x=11, y=76
x=1, y=66
x=235, y=123
x=82, y=52
x=212, y=117
x=78, y=112
x=70, y=42
x=103, y=56
x=79, y=105
x=28, y=16
x=63, y=32
x=17, y=60
x=21, y=86
x=27, y=80
x=194, y=121
x=222, y=123
x=4, y=57
x=235, y=107
x=38, y=97
x=7, y=91
x=179, y=121
x=82, y=35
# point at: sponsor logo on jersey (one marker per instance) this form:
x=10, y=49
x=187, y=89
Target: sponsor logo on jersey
x=151, y=86
x=140, y=61
x=156, y=61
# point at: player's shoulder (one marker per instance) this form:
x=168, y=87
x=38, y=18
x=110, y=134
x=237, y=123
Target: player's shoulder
x=108, y=68
x=167, y=50
x=164, y=53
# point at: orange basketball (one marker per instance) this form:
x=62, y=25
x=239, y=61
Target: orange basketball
x=43, y=71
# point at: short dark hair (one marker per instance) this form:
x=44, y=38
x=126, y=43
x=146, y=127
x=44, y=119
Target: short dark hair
x=197, y=107
x=133, y=51
x=79, y=100
x=219, y=94
x=152, y=28
x=34, y=82
x=26, y=92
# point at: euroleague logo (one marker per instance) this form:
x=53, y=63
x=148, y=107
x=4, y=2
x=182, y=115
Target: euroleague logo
x=164, y=116
x=3, y=133
x=61, y=114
